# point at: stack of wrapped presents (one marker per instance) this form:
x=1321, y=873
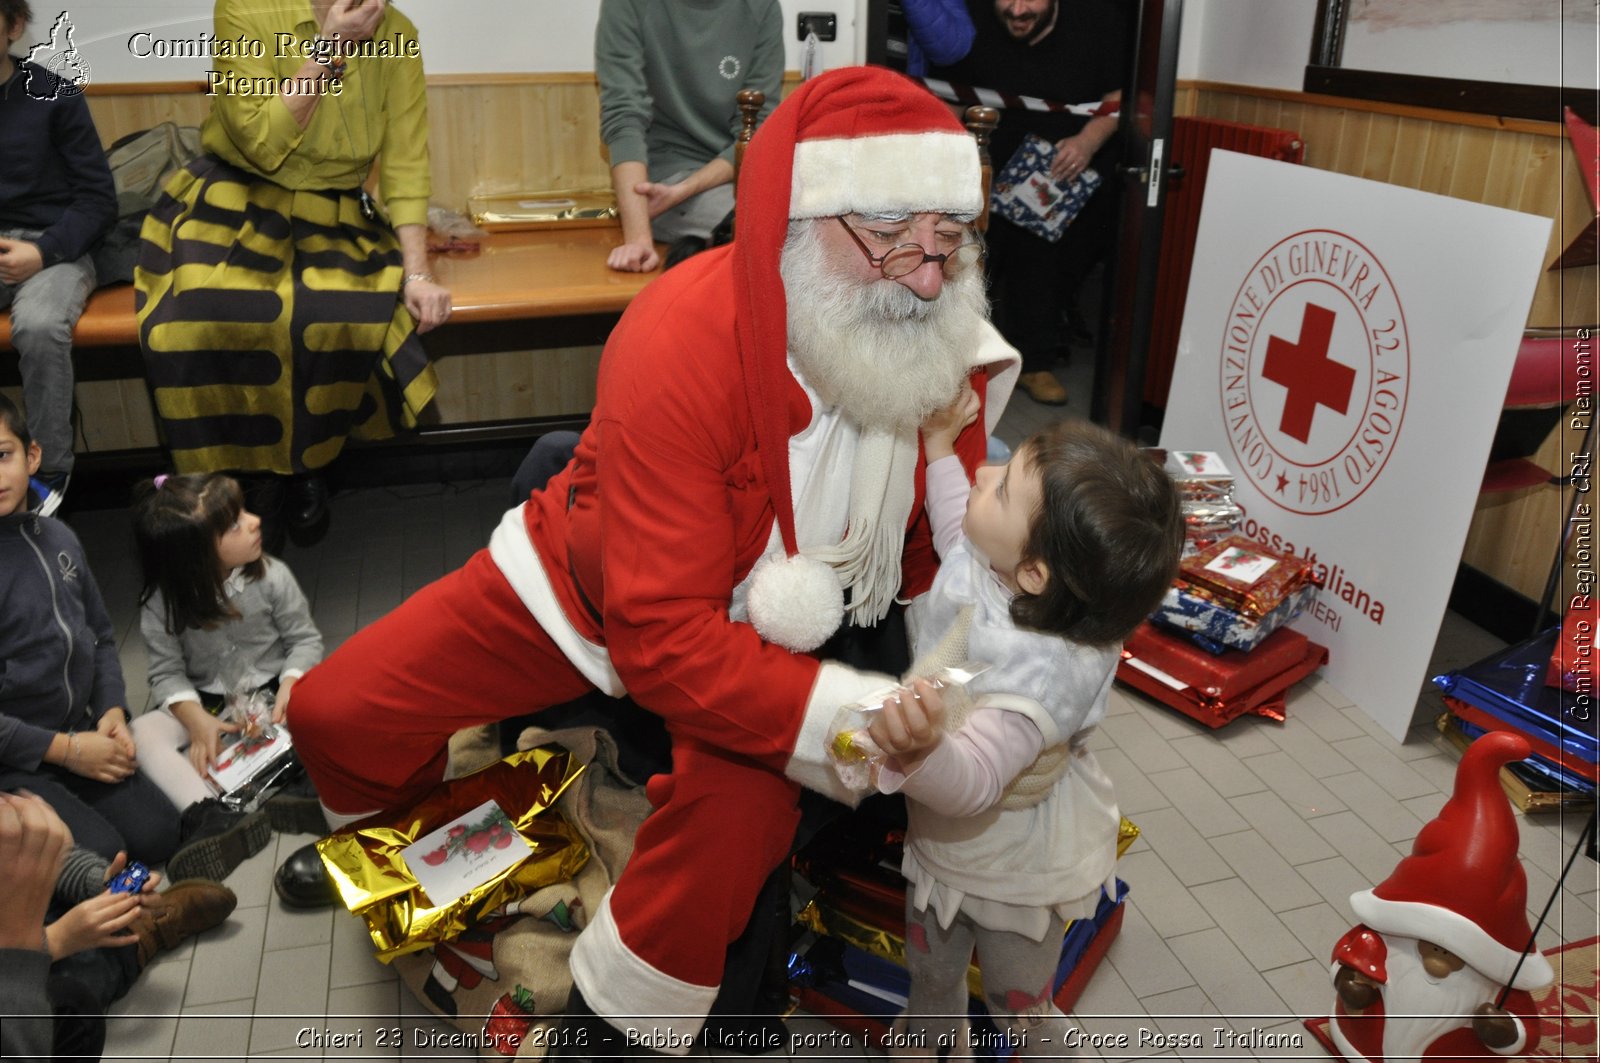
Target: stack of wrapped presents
x=848, y=964
x=1219, y=646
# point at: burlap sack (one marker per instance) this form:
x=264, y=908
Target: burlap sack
x=497, y=980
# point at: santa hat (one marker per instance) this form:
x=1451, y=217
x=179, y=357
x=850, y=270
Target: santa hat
x=854, y=140
x=1462, y=887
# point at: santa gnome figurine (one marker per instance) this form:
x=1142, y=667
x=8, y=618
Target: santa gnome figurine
x=1441, y=937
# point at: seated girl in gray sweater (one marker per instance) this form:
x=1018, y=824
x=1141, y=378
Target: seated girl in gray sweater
x=214, y=610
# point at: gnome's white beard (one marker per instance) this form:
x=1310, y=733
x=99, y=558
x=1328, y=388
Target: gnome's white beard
x=1419, y=1008
x=884, y=356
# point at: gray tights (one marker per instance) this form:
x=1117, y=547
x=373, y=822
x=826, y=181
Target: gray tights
x=1017, y=977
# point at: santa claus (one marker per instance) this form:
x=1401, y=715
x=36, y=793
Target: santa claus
x=750, y=480
x=1440, y=938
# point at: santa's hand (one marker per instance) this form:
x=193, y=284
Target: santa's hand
x=1356, y=991
x=1495, y=1027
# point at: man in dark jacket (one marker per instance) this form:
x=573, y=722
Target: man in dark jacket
x=1069, y=51
x=56, y=199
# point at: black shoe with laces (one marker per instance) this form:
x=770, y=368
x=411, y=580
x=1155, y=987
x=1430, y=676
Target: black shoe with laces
x=295, y=808
x=216, y=840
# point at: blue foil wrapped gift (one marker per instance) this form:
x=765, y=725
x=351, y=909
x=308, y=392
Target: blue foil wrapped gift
x=1508, y=689
x=1215, y=628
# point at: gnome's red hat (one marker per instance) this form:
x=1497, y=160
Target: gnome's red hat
x=858, y=139
x=1462, y=887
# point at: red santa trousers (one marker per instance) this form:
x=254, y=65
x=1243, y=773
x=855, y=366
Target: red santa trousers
x=372, y=722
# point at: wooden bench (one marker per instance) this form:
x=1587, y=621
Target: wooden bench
x=557, y=277
x=555, y=273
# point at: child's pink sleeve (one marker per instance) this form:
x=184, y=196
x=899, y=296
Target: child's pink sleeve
x=948, y=488
x=970, y=770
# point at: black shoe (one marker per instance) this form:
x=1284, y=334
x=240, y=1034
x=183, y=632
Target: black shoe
x=583, y=1035
x=216, y=840
x=302, y=881
x=295, y=809
x=265, y=495
x=308, y=501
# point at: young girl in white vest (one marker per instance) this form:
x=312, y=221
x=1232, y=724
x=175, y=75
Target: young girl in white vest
x=215, y=611
x=1047, y=563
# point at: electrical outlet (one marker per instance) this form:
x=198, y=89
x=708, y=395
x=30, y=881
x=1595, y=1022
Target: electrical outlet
x=825, y=24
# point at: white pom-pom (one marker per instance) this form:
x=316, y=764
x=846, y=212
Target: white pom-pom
x=795, y=602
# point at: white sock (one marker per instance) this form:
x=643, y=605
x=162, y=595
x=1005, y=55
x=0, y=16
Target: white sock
x=339, y=819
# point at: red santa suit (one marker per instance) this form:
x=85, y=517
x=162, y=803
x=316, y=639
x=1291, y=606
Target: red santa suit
x=1463, y=890
x=631, y=570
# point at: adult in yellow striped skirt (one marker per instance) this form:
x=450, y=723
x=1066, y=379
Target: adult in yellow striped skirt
x=279, y=310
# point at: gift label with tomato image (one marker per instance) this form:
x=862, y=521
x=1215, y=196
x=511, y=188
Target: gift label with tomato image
x=465, y=853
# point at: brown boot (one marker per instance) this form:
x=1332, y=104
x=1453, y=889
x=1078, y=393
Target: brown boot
x=1043, y=387
x=182, y=910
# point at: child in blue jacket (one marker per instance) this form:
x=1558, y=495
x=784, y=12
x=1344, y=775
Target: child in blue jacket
x=63, y=727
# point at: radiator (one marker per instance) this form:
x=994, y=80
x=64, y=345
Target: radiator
x=1192, y=141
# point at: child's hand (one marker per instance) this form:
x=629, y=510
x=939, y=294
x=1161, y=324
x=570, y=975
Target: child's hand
x=280, y=704
x=939, y=431
x=100, y=757
x=119, y=862
x=114, y=725
x=101, y=922
x=205, y=738
x=910, y=724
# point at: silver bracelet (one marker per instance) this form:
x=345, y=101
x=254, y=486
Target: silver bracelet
x=72, y=749
x=417, y=277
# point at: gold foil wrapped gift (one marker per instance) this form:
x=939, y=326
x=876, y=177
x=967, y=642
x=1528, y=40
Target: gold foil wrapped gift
x=365, y=861
x=559, y=208
x=1242, y=575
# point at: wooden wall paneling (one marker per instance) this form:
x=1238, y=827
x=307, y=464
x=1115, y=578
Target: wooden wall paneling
x=1383, y=138
x=1412, y=136
x=506, y=385
x=1439, y=159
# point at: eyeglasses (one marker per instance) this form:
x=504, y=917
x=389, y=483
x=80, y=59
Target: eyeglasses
x=904, y=259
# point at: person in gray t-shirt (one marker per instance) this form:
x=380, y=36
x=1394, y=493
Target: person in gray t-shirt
x=669, y=73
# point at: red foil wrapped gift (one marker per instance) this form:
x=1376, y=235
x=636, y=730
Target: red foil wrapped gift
x=1219, y=677
x=1572, y=664
x=1244, y=576
x=1265, y=698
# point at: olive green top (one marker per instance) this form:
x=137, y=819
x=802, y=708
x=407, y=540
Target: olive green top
x=381, y=106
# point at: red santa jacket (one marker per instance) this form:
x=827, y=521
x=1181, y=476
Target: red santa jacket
x=665, y=509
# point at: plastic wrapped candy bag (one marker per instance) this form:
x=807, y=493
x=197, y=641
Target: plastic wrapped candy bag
x=856, y=757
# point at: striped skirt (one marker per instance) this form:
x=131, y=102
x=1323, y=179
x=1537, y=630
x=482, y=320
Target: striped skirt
x=271, y=324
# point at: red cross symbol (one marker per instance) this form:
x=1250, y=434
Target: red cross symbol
x=1311, y=377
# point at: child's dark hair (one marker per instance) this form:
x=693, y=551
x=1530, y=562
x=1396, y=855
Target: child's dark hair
x=15, y=11
x=177, y=521
x=1109, y=531
x=11, y=418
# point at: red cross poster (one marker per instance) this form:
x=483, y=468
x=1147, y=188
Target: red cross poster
x=1346, y=347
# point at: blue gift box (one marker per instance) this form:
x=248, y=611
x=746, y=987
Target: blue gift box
x=1025, y=195
x=1510, y=687
x=1215, y=627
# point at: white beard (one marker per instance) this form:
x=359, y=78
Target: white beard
x=1418, y=1008
x=884, y=356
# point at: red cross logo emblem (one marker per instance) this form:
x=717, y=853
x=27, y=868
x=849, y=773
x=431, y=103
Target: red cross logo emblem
x=1314, y=370
x=1311, y=377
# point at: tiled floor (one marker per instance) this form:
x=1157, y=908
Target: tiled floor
x=1253, y=837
